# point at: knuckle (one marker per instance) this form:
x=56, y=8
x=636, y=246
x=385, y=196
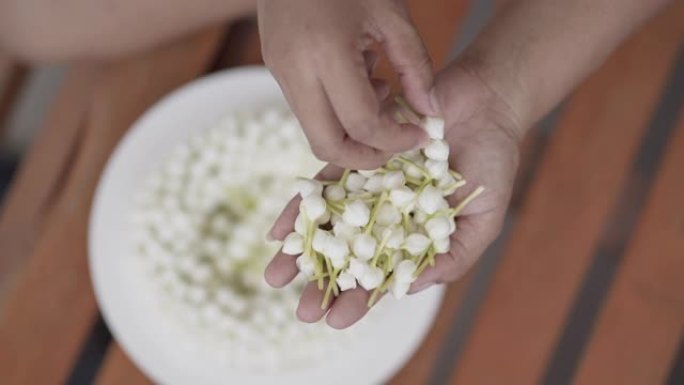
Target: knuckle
x=323, y=153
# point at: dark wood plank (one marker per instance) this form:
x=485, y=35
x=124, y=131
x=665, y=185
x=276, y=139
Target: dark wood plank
x=637, y=334
x=551, y=246
x=12, y=74
x=119, y=369
x=48, y=312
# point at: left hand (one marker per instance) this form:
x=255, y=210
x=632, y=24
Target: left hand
x=482, y=135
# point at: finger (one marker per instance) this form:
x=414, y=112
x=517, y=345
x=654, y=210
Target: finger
x=281, y=270
x=360, y=112
x=309, y=308
x=381, y=88
x=371, y=59
x=327, y=138
x=284, y=224
x=409, y=58
x=472, y=237
x=349, y=307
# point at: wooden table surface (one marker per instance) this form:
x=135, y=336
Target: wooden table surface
x=585, y=285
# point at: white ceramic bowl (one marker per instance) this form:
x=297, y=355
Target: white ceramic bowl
x=166, y=350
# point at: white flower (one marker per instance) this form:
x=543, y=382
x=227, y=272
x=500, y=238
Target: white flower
x=345, y=231
x=364, y=246
x=399, y=289
x=395, y=237
x=437, y=150
x=334, y=193
x=367, y=173
x=374, y=184
x=320, y=240
x=293, y=244
x=356, y=213
x=430, y=200
x=307, y=187
x=393, y=179
x=355, y=182
x=336, y=249
x=404, y=271
x=434, y=127
x=305, y=264
x=372, y=278
x=402, y=196
x=412, y=171
x=437, y=168
x=357, y=268
x=387, y=215
x=441, y=245
x=300, y=224
x=313, y=206
x=346, y=281
x=438, y=227
x=416, y=244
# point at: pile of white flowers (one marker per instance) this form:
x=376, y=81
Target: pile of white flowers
x=378, y=229
x=200, y=223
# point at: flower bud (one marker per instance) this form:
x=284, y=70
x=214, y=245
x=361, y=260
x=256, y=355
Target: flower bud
x=404, y=271
x=437, y=168
x=305, y=264
x=387, y=215
x=434, y=127
x=393, y=179
x=307, y=187
x=357, y=268
x=364, y=246
x=293, y=244
x=430, y=200
x=367, y=173
x=356, y=213
x=345, y=231
x=334, y=193
x=442, y=245
x=416, y=244
x=320, y=240
x=402, y=196
x=399, y=289
x=355, y=182
x=437, y=150
x=346, y=281
x=438, y=227
x=313, y=206
x=336, y=249
x=300, y=224
x=372, y=278
x=412, y=171
x=395, y=238
x=374, y=184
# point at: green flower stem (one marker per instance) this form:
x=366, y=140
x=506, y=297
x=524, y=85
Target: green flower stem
x=381, y=289
x=318, y=269
x=378, y=202
x=405, y=221
x=412, y=163
x=326, y=297
x=345, y=175
x=425, y=262
x=378, y=251
x=456, y=175
x=456, y=210
x=315, y=277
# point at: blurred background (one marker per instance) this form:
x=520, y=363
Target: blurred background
x=585, y=285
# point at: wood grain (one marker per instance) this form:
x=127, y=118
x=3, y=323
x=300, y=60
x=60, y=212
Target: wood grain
x=37, y=181
x=551, y=246
x=639, y=329
x=48, y=312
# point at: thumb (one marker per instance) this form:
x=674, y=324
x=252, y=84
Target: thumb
x=409, y=58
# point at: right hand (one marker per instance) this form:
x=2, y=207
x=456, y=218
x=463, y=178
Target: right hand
x=320, y=52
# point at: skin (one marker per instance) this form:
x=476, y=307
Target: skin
x=512, y=75
x=44, y=31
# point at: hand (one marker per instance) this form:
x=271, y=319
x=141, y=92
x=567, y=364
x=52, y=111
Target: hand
x=482, y=135
x=321, y=53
